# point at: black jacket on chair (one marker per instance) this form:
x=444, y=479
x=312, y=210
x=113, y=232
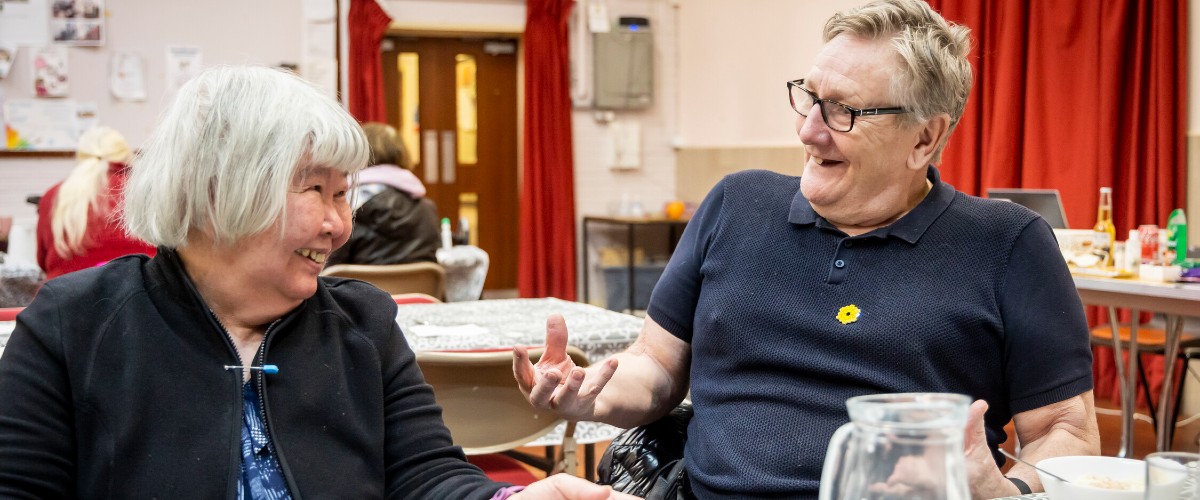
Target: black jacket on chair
x=647, y=461
x=391, y=228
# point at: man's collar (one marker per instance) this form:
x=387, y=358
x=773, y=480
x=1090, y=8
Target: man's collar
x=909, y=228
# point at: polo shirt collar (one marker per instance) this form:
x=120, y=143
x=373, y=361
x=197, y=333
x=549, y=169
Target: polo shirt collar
x=909, y=228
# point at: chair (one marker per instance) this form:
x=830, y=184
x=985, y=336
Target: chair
x=414, y=298
x=487, y=414
x=417, y=277
x=9, y=313
x=1152, y=340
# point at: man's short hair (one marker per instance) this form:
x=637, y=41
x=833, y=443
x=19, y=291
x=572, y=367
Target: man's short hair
x=935, y=75
x=225, y=152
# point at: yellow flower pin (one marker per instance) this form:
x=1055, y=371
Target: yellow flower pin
x=848, y=314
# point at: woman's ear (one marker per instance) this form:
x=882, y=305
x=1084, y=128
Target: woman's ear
x=930, y=139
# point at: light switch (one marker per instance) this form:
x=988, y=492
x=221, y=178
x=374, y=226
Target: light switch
x=626, y=140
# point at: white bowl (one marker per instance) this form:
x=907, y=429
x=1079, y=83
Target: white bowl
x=1083, y=471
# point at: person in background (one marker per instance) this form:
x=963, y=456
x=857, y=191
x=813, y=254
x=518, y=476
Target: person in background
x=224, y=366
x=393, y=222
x=79, y=218
x=868, y=274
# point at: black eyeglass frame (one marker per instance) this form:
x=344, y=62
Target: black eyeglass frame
x=854, y=112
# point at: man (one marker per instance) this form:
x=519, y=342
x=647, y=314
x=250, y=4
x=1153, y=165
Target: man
x=786, y=296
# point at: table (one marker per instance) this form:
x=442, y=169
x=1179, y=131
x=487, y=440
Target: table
x=1025, y=497
x=1174, y=301
x=489, y=324
x=674, y=228
x=6, y=328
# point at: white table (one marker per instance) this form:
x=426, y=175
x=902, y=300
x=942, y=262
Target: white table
x=1174, y=301
x=489, y=324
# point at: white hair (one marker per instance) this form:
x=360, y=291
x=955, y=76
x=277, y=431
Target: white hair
x=225, y=152
x=85, y=187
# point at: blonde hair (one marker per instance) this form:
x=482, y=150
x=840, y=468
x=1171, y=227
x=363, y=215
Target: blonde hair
x=386, y=148
x=936, y=75
x=83, y=188
x=224, y=154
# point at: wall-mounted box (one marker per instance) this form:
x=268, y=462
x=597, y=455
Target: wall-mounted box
x=623, y=66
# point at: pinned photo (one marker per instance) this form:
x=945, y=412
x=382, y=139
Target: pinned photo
x=8, y=54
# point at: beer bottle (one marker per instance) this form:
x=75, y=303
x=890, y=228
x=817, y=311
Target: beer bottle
x=1104, y=233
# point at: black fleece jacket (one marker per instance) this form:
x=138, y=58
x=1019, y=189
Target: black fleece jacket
x=391, y=228
x=113, y=386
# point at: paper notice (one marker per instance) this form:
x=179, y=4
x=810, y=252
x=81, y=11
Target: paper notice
x=126, y=76
x=183, y=63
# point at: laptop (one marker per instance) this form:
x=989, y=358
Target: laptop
x=1046, y=202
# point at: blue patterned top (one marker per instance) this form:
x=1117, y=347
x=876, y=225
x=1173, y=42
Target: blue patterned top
x=261, y=477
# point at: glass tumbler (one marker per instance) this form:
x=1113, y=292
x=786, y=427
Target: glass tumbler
x=1173, y=475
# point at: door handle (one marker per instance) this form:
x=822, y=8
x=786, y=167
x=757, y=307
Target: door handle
x=429, y=149
x=449, y=156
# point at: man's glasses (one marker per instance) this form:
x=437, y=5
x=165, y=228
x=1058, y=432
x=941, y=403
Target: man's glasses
x=838, y=116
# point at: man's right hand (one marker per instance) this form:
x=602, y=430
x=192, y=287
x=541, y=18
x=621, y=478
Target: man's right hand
x=556, y=383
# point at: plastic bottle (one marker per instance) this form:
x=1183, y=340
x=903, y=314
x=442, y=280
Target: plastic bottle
x=1133, y=252
x=1177, y=244
x=1104, y=233
x=463, y=237
x=447, y=236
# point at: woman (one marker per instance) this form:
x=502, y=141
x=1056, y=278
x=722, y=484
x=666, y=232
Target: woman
x=78, y=224
x=393, y=222
x=148, y=377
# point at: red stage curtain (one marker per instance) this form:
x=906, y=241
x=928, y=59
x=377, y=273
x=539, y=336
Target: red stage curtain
x=546, y=267
x=366, y=23
x=1074, y=95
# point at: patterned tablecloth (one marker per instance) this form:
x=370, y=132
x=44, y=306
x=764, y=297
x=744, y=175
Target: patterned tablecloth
x=487, y=324
x=6, y=327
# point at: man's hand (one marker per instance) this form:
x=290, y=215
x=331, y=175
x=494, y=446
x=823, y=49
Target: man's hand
x=556, y=383
x=983, y=475
x=565, y=487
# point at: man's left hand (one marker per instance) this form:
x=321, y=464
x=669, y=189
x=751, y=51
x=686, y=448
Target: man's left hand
x=983, y=476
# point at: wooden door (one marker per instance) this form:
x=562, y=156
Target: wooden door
x=455, y=104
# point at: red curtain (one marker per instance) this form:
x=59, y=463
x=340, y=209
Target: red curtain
x=546, y=267
x=366, y=23
x=1075, y=95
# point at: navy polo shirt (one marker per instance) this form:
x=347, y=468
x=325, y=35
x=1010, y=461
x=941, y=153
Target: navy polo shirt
x=788, y=317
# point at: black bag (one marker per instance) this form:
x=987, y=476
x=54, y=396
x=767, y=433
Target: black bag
x=647, y=461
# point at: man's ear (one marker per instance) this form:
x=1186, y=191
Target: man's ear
x=930, y=138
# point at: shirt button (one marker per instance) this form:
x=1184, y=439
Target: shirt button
x=839, y=263
x=848, y=244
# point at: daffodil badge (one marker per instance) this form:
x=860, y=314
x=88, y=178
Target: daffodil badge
x=848, y=314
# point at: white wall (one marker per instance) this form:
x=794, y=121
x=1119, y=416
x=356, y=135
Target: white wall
x=228, y=31
x=506, y=16
x=735, y=58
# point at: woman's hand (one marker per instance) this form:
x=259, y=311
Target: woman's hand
x=566, y=487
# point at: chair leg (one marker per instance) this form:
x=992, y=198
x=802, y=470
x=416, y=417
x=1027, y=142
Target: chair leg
x=1146, y=386
x=1183, y=376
